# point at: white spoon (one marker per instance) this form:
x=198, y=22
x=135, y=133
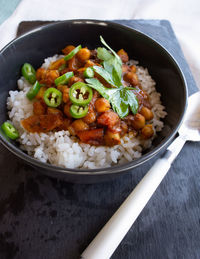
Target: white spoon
x=108, y=239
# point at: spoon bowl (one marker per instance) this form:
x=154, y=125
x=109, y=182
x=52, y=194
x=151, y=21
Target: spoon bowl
x=116, y=228
x=190, y=129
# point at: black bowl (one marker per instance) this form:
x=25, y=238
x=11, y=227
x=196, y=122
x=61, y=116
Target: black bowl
x=44, y=42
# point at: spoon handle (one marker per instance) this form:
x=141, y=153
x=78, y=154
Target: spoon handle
x=108, y=239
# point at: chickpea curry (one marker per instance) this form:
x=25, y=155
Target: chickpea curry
x=94, y=94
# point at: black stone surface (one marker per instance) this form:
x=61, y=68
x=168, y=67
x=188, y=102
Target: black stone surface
x=44, y=218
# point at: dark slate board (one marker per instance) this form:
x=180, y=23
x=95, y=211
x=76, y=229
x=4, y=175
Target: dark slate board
x=46, y=218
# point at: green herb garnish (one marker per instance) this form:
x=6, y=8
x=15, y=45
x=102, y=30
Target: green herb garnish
x=103, y=54
x=111, y=62
x=114, y=53
x=121, y=98
x=105, y=74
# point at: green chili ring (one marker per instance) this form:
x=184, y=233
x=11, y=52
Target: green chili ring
x=10, y=130
x=33, y=90
x=72, y=53
x=28, y=73
x=64, y=79
x=89, y=72
x=52, y=97
x=78, y=112
x=80, y=94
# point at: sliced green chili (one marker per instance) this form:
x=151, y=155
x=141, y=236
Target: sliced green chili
x=77, y=111
x=64, y=79
x=33, y=90
x=52, y=97
x=28, y=73
x=72, y=53
x=89, y=72
x=80, y=94
x=63, y=66
x=10, y=130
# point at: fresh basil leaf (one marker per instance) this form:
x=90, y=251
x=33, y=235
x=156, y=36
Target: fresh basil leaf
x=116, y=77
x=118, y=68
x=97, y=85
x=103, y=73
x=121, y=99
x=132, y=100
x=115, y=54
x=108, y=67
x=119, y=103
x=112, y=63
x=114, y=68
x=103, y=54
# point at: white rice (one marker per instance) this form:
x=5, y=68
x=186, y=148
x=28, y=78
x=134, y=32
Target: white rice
x=61, y=149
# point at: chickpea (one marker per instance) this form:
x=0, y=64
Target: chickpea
x=125, y=68
x=71, y=130
x=147, y=131
x=74, y=79
x=50, y=76
x=133, y=68
x=124, y=128
x=65, y=96
x=147, y=113
x=68, y=49
x=123, y=55
x=67, y=109
x=79, y=125
x=102, y=105
x=83, y=54
x=138, y=122
x=134, y=80
x=131, y=78
x=91, y=115
x=111, y=138
x=40, y=73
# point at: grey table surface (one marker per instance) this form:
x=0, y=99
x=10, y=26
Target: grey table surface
x=44, y=218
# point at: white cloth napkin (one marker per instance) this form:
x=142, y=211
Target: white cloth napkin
x=183, y=14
